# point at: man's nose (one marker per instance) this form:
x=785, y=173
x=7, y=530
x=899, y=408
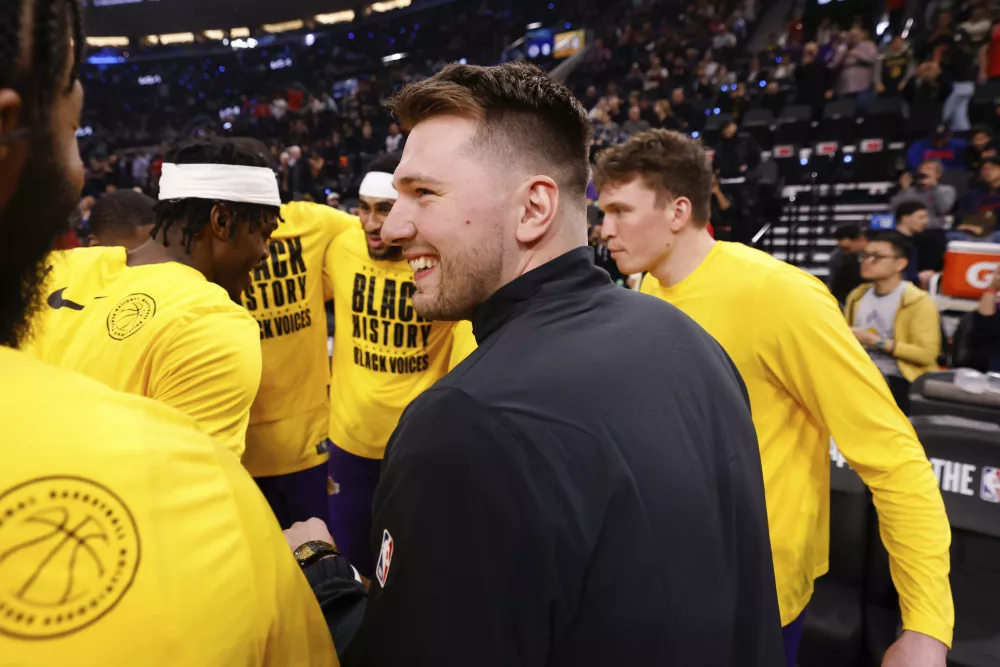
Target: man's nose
x=398, y=228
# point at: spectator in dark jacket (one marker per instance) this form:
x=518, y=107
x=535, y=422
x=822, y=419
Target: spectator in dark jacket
x=845, y=261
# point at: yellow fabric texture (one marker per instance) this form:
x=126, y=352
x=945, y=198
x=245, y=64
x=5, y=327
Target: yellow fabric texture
x=384, y=354
x=289, y=418
x=129, y=537
x=917, y=330
x=159, y=330
x=463, y=344
x=809, y=378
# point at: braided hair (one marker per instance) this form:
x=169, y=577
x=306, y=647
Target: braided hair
x=195, y=213
x=39, y=80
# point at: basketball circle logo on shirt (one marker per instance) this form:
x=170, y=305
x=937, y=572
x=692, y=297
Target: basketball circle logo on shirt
x=130, y=314
x=69, y=551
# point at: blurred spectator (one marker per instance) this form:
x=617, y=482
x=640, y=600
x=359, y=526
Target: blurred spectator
x=927, y=90
x=735, y=153
x=938, y=197
x=855, y=62
x=682, y=110
x=813, y=82
x=940, y=146
x=796, y=27
x=985, y=332
x=723, y=215
x=927, y=253
x=845, y=261
x=963, y=71
x=978, y=26
x=989, y=57
x=981, y=145
x=634, y=124
x=394, y=142
x=665, y=117
x=893, y=319
x=606, y=132
x=984, y=197
x=894, y=68
x=976, y=228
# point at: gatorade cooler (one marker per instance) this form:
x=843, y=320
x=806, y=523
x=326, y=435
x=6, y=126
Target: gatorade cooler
x=968, y=268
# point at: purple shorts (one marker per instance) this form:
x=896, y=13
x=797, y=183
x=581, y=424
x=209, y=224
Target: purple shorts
x=297, y=496
x=792, y=634
x=354, y=480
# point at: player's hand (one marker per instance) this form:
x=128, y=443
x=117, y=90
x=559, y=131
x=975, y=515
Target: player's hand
x=995, y=285
x=865, y=337
x=312, y=530
x=916, y=650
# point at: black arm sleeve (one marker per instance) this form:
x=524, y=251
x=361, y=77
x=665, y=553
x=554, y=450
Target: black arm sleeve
x=341, y=597
x=466, y=581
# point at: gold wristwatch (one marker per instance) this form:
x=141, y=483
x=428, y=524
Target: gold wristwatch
x=310, y=552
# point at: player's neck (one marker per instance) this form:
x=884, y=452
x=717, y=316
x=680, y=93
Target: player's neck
x=154, y=252
x=691, y=247
x=887, y=285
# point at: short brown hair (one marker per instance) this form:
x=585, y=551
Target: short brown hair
x=668, y=163
x=524, y=116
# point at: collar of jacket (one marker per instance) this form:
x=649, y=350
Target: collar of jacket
x=566, y=274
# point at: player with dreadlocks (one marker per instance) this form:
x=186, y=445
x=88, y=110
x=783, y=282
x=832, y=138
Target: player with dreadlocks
x=164, y=320
x=127, y=535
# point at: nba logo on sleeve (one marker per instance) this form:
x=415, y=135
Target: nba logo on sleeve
x=384, y=559
x=990, y=487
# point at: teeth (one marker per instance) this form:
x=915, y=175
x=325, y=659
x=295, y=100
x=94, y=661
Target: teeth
x=423, y=262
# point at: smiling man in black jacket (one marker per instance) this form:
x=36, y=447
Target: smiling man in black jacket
x=517, y=522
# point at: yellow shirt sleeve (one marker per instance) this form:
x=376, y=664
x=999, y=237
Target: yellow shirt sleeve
x=463, y=343
x=298, y=633
x=814, y=356
x=211, y=372
x=334, y=222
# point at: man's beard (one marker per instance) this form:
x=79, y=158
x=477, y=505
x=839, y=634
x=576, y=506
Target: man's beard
x=32, y=220
x=388, y=253
x=463, y=284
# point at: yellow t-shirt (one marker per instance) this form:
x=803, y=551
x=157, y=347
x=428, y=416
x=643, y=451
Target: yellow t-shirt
x=157, y=330
x=289, y=418
x=808, y=378
x=384, y=354
x=463, y=344
x=128, y=537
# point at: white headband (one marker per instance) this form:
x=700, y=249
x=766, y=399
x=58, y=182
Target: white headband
x=227, y=182
x=378, y=185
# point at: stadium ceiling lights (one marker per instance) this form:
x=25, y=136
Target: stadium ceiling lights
x=283, y=27
x=393, y=57
x=107, y=41
x=173, y=38
x=336, y=17
x=217, y=35
x=239, y=33
x=388, y=5
x=535, y=26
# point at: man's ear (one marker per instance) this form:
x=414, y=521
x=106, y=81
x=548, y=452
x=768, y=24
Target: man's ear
x=682, y=213
x=221, y=222
x=13, y=154
x=541, y=202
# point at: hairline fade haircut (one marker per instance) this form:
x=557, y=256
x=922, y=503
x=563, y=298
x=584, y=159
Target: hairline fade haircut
x=121, y=212
x=524, y=117
x=669, y=163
